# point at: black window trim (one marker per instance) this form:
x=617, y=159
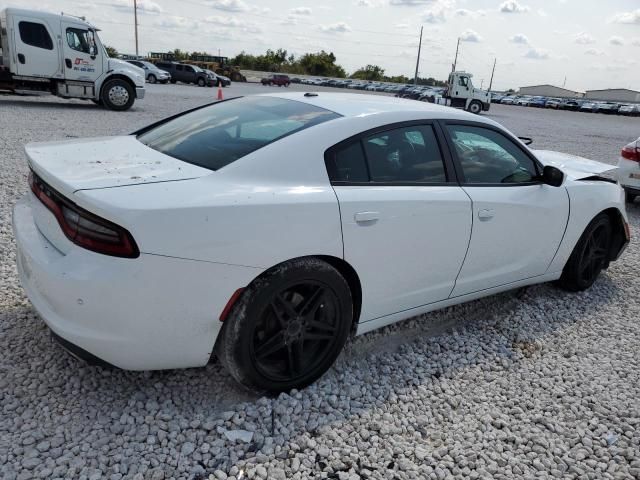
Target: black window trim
x=458, y=166
x=447, y=160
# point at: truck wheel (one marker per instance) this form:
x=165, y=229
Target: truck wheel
x=475, y=107
x=201, y=82
x=152, y=78
x=117, y=95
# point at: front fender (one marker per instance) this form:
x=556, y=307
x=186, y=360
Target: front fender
x=586, y=200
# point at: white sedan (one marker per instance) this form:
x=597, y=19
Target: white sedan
x=267, y=229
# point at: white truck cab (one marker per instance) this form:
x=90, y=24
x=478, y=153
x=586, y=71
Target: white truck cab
x=63, y=55
x=461, y=93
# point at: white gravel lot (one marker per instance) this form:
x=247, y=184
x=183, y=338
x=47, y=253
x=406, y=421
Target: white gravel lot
x=536, y=383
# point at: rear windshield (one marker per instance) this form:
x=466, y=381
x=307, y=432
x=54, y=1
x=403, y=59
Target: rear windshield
x=217, y=135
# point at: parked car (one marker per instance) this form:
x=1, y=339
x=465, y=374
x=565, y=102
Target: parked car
x=523, y=100
x=152, y=73
x=182, y=72
x=497, y=97
x=571, y=104
x=589, y=107
x=628, y=172
x=218, y=80
x=553, y=103
x=296, y=80
x=539, y=102
x=607, y=107
x=270, y=272
x=509, y=100
x=277, y=79
x=632, y=109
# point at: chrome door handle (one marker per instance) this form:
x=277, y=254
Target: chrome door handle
x=365, y=217
x=486, y=214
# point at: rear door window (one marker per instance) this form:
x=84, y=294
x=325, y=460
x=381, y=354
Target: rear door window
x=35, y=35
x=217, y=135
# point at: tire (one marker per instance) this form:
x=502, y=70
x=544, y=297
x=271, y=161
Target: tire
x=270, y=308
x=201, y=82
x=116, y=94
x=589, y=256
x=630, y=197
x=152, y=78
x=475, y=107
x=173, y=81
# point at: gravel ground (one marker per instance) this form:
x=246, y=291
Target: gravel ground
x=536, y=383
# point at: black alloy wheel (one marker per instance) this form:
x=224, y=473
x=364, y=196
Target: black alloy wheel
x=590, y=255
x=287, y=327
x=295, y=331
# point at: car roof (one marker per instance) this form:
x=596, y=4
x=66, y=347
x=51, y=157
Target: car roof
x=354, y=105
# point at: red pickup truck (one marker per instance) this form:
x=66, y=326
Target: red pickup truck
x=280, y=80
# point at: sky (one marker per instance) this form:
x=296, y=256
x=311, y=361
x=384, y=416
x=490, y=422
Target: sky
x=582, y=44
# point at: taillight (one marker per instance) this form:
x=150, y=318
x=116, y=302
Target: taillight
x=631, y=152
x=82, y=227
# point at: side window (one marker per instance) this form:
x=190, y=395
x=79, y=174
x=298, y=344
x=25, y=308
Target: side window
x=35, y=34
x=487, y=156
x=81, y=40
x=189, y=69
x=179, y=68
x=347, y=164
x=408, y=154
x=463, y=82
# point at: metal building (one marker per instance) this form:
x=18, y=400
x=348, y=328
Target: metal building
x=549, y=91
x=614, y=94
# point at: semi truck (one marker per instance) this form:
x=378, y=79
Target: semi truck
x=461, y=93
x=63, y=55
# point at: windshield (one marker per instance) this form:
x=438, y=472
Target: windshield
x=217, y=135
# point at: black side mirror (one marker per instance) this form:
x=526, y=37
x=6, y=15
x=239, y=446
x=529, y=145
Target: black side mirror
x=552, y=176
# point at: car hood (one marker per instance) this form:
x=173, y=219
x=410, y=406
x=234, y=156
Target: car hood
x=572, y=165
x=105, y=162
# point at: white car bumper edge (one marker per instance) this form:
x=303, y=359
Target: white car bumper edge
x=148, y=313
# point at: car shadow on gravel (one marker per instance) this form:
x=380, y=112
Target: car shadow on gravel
x=39, y=103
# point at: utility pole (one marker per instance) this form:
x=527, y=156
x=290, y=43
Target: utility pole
x=415, y=77
x=565, y=81
x=492, y=72
x=455, y=60
x=135, y=21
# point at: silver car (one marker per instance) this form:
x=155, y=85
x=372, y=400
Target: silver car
x=151, y=73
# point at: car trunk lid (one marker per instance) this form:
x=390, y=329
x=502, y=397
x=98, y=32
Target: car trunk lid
x=107, y=162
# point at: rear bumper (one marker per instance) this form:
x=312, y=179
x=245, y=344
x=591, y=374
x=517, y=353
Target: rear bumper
x=140, y=91
x=628, y=175
x=148, y=313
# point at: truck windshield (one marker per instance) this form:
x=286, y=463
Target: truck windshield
x=215, y=136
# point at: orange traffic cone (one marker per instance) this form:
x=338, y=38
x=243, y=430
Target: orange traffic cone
x=219, y=92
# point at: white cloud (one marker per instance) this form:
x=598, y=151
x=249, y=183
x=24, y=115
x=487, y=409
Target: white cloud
x=146, y=6
x=537, y=54
x=635, y=42
x=177, y=22
x=616, y=40
x=584, y=38
x=226, y=21
x=512, y=6
x=364, y=3
x=300, y=11
x=470, y=36
x=520, y=38
x=594, y=51
x=229, y=5
x=627, y=17
x=401, y=25
x=465, y=12
x=542, y=13
x=411, y=3
x=339, y=27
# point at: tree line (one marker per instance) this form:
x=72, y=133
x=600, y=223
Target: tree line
x=320, y=64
